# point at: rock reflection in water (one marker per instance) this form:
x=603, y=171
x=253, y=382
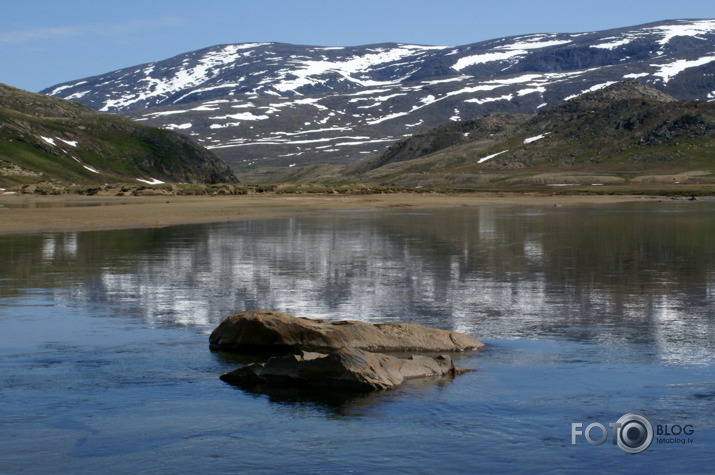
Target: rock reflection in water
x=640, y=272
x=344, y=403
x=334, y=402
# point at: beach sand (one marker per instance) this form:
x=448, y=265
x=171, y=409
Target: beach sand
x=33, y=213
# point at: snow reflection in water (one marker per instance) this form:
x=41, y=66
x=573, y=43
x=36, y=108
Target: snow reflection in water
x=639, y=273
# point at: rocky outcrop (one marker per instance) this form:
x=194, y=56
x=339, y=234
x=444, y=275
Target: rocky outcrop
x=345, y=369
x=269, y=332
x=341, y=355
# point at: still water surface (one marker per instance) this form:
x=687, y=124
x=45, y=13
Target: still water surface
x=589, y=312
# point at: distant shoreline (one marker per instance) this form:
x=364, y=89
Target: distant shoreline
x=21, y=214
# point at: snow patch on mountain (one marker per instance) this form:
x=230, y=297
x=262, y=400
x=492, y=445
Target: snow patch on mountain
x=57, y=90
x=590, y=89
x=209, y=66
x=535, y=138
x=240, y=116
x=509, y=51
x=183, y=126
x=616, y=43
x=305, y=73
x=150, y=181
x=71, y=143
x=668, y=71
x=665, y=33
x=531, y=90
x=506, y=97
x=224, y=126
x=163, y=113
x=636, y=75
x=683, y=28
x=535, y=42
x=387, y=117
x=200, y=90
x=78, y=95
x=489, y=157
x=484, y=58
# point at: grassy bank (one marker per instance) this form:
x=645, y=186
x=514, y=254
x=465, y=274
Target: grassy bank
x=554, y=189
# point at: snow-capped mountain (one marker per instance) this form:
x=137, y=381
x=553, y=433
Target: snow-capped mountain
x=271, y=104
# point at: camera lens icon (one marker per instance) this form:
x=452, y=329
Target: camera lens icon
x=634, y=433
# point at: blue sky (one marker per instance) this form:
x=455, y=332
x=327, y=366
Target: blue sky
x=46, y=42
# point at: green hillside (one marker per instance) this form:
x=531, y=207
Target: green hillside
x=627, y=131
x=50, y=139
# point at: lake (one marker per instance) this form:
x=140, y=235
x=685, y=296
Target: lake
x=589, y=313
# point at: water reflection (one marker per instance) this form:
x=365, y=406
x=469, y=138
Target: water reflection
x=344, y=404
x=638, y=273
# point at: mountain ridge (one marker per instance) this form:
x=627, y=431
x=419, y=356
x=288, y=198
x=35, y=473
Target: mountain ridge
x=266, y=107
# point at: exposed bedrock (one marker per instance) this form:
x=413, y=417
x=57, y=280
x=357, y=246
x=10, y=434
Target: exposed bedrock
x=269, y=332
x=345, y=369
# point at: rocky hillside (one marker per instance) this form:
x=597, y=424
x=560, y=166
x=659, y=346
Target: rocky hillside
x=50, y=139
x=278, y=105
x=624, y=130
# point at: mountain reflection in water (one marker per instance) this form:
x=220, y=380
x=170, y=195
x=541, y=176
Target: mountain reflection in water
x=639, y=272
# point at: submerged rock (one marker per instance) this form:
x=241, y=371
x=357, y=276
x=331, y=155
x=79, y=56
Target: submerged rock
x=345, y=369
x=269, y=332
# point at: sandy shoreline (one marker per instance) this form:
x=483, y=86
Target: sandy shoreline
x=32, y=214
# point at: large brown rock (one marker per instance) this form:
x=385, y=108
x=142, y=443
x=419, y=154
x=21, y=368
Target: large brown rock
x=347, y=368
x=265, y=331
